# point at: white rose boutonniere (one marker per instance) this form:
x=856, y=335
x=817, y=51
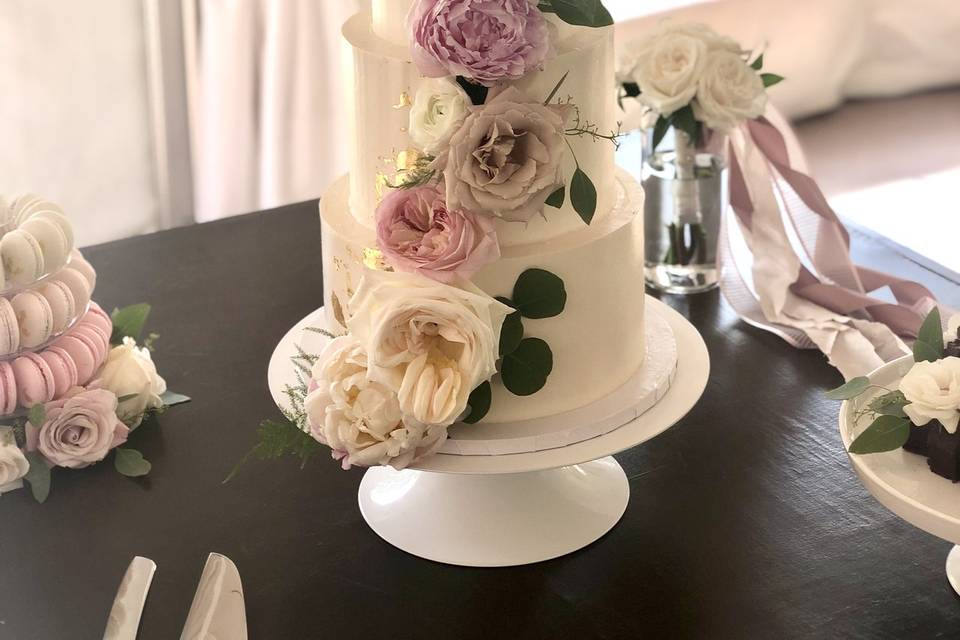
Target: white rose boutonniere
x=433, y=343
x=438, y=110
x=728, y=92
x=131, y=374
x=360, y=419
x=13, y=464
x=933, y=392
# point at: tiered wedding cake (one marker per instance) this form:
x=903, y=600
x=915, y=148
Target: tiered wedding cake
x=483, y=159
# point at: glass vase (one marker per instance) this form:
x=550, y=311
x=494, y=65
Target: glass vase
x=686, y=194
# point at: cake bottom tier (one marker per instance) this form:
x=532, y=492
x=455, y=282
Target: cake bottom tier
x=598, y=339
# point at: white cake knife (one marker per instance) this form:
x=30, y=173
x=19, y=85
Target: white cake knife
x=128, y=604
x=217, y=610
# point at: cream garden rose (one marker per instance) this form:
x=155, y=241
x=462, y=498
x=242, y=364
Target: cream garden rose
x=360, y=419
x=433, y=343
x=667, y=64
x=933, y=391
x=728, y=92
x=13, y=464
x=438, y=110
x=131, y=374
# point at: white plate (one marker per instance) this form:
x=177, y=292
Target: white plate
x=901, y=480
x=692, y=371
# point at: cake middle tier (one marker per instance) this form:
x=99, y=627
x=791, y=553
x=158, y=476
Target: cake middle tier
x=382, y=81
x=597, y=341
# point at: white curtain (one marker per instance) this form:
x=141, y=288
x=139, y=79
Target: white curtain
x=266, y=103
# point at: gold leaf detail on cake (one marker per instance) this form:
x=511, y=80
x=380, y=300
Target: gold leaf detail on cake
x=337, y=310
x=405, y=101
x=408, y=159
x=373, y=259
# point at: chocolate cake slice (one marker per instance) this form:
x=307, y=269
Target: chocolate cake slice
x=917, y=440
x=943, y=452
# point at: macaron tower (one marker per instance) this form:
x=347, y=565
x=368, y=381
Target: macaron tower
x=53, y=337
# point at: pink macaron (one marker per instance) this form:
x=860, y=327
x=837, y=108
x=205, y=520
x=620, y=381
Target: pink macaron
x=9, y=328
x=65, y=376
x=99, y=317
x=97, y=336
x=83, y=353
x=8, y=389
x=35, y=383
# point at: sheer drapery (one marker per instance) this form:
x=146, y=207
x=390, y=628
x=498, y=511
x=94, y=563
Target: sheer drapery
x=266, y=104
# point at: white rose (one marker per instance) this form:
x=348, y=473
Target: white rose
x=953, y=329
x=438, y=110
x=729, y=91
x=130, y=372
x=933, y=390
x=360, y=419
x=433, y=343
x=13, y=464
x=667, y=64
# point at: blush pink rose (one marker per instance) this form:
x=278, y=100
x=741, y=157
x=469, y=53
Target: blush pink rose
x=485, y=41
x=417, y=233
x=79, y=429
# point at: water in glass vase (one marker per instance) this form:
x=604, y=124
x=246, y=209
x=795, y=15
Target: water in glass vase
x=686, y=194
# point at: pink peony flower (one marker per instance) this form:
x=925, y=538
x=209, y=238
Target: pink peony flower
x=483, y=40
x=417, y=233
x=79, y=429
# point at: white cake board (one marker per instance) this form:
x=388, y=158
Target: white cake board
x=901, y=481
x=503, y=510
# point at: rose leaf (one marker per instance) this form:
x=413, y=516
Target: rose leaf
x=557, y=198
x=38, y=476
x=539, y=294
x=931, y=333
x=525, y=371
x=583, y=195
x=37, y=415
x=511, y=333
x=758, y=63
x=479, y=403
x=169, y=398
x=131, y=463
x=885, y=434
x=923, y=351
x=582, y=13
x=850, y=390
x=476, y=92
x=128, y=322
x=770, y=79
x=659, y=131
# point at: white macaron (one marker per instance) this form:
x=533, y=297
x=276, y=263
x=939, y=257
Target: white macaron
x=62, y=304
x=78, y=262
x=52, y=241
x=34, y=317
x=78, y=285
x=9, y=331
x=55, y=216
x=22, y=258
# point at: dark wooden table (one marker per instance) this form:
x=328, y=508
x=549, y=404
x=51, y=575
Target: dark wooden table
x=745, y=521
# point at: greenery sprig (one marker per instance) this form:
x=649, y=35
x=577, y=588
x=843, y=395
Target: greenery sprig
x=580, y=13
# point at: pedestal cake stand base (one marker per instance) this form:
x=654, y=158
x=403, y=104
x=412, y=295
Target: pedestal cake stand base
x=520, y=508
x=494, y=520
x=953, y=568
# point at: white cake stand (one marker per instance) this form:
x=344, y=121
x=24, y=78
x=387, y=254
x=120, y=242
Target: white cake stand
x=504, y=510
x=902, y=481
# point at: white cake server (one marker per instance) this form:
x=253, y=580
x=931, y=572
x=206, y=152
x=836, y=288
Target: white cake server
x=217, y=611
x=128, y=604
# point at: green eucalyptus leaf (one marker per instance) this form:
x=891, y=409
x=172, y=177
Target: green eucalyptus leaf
x=37, y=415
x=924, y=352
x=479, y=403
x=512, y=333
x=557, y=198
x=127, y=398
x=885, y=434
x=128, y=322
x=169, y=398
x=889, y=404
x=539, y=294
x=580, y=13
x=38, y=476
x=758, y=63
x=131, y=463
x=931, y=331
x=770, y=79
x=851, y=389
x=525, y=371
x=583, y=195
x=659, y=131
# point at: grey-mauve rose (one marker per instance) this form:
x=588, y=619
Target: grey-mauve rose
x=506, y=159
x=79, y=429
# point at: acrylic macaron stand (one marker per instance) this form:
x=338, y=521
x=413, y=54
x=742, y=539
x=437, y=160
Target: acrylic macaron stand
x=512, y=494
x=52, y=336
x=901, y=481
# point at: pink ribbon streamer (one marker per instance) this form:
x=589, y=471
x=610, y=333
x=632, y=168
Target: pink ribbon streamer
x=835, y=283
